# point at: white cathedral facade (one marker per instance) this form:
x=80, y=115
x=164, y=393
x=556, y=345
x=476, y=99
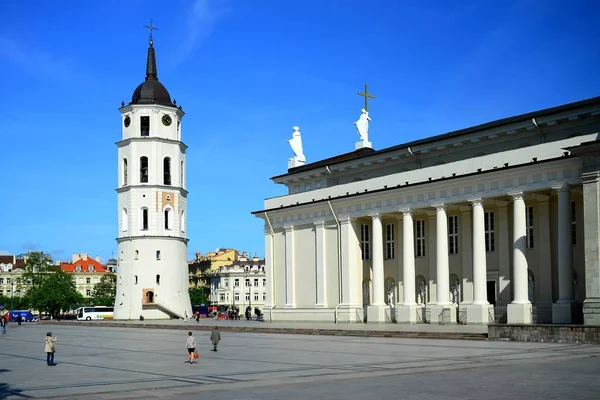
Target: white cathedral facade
x=493, y=223
x=152, y=273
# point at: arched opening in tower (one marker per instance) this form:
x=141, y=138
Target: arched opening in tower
x=149, y=296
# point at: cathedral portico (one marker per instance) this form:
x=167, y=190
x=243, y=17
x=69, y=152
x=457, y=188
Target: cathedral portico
x=435, y=242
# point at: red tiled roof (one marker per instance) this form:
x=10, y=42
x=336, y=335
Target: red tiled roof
x=85, y=264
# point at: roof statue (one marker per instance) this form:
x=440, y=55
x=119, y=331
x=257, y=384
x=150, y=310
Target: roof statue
x=362, y=125
x=296, y=144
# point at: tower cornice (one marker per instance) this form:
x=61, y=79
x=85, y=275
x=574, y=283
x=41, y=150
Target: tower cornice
x=125, y=142
x=141, y=237
x=126, y=188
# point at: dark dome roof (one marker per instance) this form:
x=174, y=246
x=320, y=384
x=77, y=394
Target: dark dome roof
x=151, y=91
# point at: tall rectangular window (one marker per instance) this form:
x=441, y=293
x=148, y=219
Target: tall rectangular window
x=529, y=226
x=247, y=282
x=256, y=282
x=236, y=283
x=453, y=234
x=167, y=171
x=144, y=169
x=573, y=223
x=420, y=238
x=364, y=242
x=488, y=221
x=145, y=126
x=389, y=241
x=247, y=296
x=145, y=219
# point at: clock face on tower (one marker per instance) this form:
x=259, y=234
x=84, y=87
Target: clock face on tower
x=166, y=120
x=127, y=121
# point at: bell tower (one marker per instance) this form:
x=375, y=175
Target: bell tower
x=152, y=271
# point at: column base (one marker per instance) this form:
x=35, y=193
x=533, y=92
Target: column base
x=566, y=313
x=349, y=313
x=591, y=312
x=479, y=314
x=519, y=313
x=443, y=314
x=408, y=314
x=376, y=315
x=320, y=305
x=291, y=305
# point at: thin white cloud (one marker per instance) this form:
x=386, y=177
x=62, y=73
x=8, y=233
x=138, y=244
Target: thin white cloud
x=35, y=62
x=202, y=18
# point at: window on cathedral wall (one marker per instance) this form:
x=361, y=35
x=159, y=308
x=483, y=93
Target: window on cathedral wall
x=453, y=234
x=529, y=227
x=365, y=242
x=136, y=254
x=420, y=238
x=389, y=241
x=182, y=221
x=124, y=171
x=167, y=171
x=145, y=219
x=488, y=222
x=158, y=254
x=573, y=223
x=143, y=169
x=145, y=126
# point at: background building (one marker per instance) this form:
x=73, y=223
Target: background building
x=210, y=262
x=86, y=272
x=241, y=283
x=11, y=276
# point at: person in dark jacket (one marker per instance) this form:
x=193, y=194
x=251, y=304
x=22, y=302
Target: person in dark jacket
x=215, y=338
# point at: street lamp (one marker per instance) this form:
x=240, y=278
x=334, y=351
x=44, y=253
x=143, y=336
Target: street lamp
x=12, y=295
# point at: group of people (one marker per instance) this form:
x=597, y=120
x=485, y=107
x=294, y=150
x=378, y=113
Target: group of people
x=190, y=344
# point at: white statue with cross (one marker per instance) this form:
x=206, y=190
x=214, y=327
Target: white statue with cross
x=362, y=125
x=296, y=144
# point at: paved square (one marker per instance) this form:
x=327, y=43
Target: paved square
x=118, y=363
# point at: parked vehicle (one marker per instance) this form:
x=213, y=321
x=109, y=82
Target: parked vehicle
x=26, y=316
x=94, y=313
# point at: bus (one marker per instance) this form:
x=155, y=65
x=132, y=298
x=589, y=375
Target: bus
x=94, y=313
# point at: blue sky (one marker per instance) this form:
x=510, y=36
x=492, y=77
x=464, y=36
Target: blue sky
x=246, y=72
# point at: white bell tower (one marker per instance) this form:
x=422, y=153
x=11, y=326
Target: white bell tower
x=152, y=271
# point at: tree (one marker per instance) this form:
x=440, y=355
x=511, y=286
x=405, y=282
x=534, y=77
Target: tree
x=56, y=293
x=105, y=290
x=37, y=267
x=198, y=296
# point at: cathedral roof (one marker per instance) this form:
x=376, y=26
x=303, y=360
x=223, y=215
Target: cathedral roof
x=151, y=91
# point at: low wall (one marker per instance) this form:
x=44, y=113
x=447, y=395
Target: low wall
x=588, y=334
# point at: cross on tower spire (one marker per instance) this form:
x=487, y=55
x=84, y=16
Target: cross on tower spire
x=151, y=28
x=366, y=95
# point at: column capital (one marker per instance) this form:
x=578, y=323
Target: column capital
x=439, y=207
x=478, y=201
x=319, y=224
x=345, y=219
x=516, y=196
x=288, y=228
x=405, y=211
x=375, y=215
x=561, y=187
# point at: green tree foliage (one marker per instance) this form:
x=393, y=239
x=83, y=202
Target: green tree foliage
x=56, y=293
x=37, y=267
x=198, y=296
x=105, y=290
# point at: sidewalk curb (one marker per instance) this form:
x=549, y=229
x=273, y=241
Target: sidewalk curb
x=293, y=331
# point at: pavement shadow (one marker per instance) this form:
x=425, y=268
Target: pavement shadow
x=6, y=390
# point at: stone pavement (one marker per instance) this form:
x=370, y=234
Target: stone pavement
x=120, y=363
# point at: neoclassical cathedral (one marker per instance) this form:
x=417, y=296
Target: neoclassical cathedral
x=496, y=223
x=152, y=272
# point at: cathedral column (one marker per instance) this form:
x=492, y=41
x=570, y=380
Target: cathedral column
x=478, y=312
x=467, y=255
x=350, y=309
x=289, y=267
x=320, y=246
x=442, y=311
x=519, y=311
x=407, y=311
x=564, y=309
x=269, y=267
x=376, y=311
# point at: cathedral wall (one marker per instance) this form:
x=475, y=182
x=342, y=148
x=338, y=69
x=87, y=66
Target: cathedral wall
x=305, y=266
x=332, y=267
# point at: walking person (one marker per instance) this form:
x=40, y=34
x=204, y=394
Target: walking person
x=215, y=338
x=50, y=349
x=190, y=344
x=3, y=324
